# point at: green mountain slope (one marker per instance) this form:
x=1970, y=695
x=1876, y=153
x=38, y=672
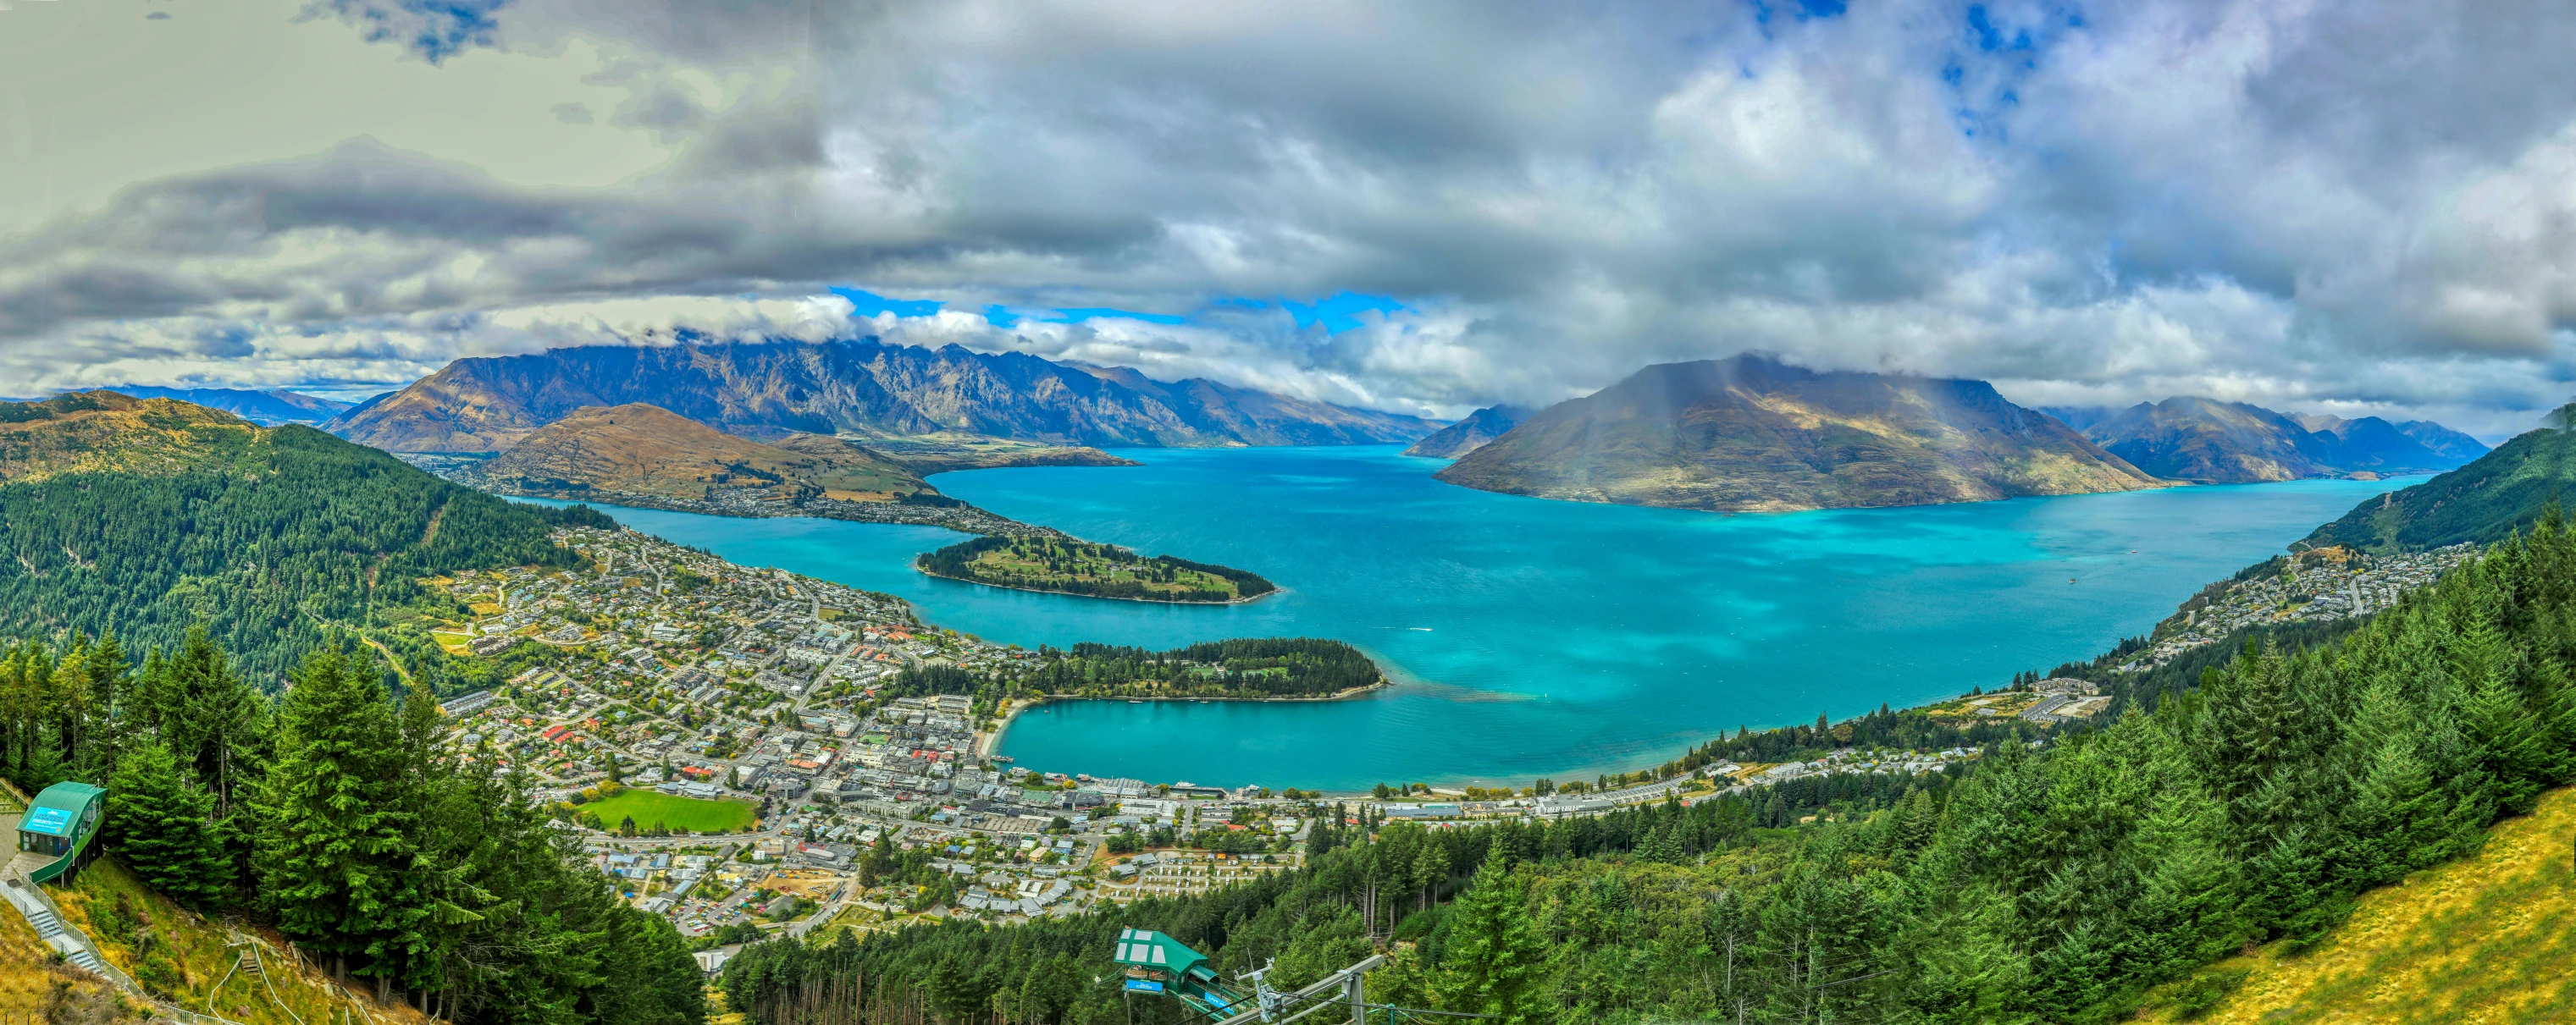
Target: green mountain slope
x=2503, y=491
x=145, y=517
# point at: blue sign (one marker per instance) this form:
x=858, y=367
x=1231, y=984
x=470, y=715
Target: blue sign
x=1144, y=985
x=54, y=821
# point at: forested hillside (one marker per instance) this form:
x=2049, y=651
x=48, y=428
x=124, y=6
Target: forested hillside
x=2503, y=491
x=346, y=819
x=2078, y=880
x=144, y=518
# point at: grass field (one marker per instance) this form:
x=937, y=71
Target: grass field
x=2488, y=939
x=650, y=807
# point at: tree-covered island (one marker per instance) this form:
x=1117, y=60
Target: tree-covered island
x=1068, y=566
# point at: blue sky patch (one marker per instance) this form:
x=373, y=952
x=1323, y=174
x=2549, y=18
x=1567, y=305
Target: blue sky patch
x=1339, y=312
x=869, y=304
x=432, y=29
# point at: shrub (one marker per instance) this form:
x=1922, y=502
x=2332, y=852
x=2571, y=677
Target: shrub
x=2205, y=992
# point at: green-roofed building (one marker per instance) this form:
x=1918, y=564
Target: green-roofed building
x=59, y=824
x=1160, y=964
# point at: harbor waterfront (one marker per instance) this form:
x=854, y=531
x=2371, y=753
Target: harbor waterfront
x=1536, y=638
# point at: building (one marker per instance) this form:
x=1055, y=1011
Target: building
x=466, y=704
x=59, y=824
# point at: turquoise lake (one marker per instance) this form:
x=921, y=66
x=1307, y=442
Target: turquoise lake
x=1537, y=638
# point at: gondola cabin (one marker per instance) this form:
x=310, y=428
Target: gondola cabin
x=59, y=824
x=1157, y=963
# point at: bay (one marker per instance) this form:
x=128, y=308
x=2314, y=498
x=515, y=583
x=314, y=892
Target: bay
x=1537, y=638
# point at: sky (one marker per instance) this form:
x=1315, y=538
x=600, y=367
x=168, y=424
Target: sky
x=2363, y=207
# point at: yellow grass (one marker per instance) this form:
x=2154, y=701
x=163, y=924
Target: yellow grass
x=2483, y=941
x=198, y=945
x=27, y=975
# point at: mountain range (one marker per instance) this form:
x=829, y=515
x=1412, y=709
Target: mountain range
x=1750, y=433
x=267, y=408
x=646, y=450
x=1471, y=433
x=764, y=389
x=2502, y=492
x=2210, y=441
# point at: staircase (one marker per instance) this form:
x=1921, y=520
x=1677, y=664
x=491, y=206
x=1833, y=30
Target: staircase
x=48, y=928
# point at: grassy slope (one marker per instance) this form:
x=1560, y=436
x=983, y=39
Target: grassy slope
x=675, y=812
x=103, y=432
x=28, y=976
x=2490, y=938
x=199, y=945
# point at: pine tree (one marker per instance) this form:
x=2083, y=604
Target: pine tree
x=210, y=716
x=158, y=823
x=103, y=735
x=1430, y=869
x=1661, y=845
x=2508, y=737
x=332, y=845
x=1495, y=960
x=1916, y=821
x=961, y=993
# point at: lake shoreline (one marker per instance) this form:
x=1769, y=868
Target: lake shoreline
x=992, y=742
x=1578, y=637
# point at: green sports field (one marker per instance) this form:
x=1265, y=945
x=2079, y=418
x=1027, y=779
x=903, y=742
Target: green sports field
x=689, y=813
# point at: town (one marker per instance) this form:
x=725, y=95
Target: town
x=2316, y=585
x=733, y=743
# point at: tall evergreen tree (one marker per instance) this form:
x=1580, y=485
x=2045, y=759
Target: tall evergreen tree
x=210, y=715
x=160, y=823
x=1495, y=959
x=332, y=841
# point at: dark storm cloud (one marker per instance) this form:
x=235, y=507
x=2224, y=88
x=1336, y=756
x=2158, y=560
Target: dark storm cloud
x=2336, y=207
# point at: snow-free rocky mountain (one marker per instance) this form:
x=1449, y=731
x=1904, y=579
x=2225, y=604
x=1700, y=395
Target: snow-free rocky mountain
x=1471, y=433
x=863, y=387
x=1750, y=433
x=2209, y=441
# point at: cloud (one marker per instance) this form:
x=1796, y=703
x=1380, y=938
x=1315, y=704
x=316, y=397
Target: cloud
x=2341, y=207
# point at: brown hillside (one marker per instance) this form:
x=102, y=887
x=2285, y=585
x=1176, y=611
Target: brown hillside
x=1753, y=434
x=646, y=450
x=102, y=431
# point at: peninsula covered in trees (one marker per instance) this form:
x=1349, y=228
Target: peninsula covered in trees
x=1064, y=565
x=1251, y=668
